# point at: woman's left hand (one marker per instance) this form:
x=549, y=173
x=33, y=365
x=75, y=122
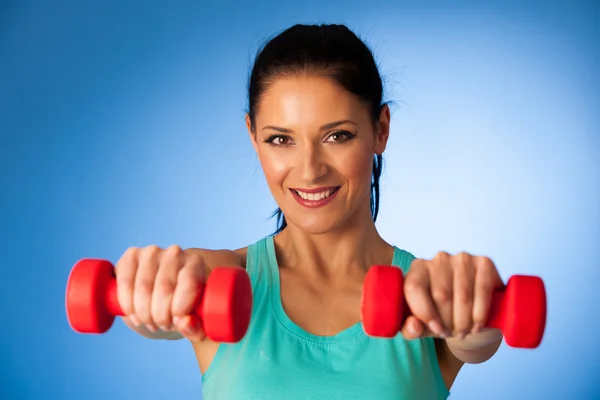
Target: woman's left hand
x=450, y=295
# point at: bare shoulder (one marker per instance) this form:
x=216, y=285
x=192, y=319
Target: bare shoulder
x=224, y=258
x=242, y=253
x=450, y=366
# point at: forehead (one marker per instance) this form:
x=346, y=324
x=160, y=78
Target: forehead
x=305, y=100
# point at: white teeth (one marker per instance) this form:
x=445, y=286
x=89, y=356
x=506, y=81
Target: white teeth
x=315, y=196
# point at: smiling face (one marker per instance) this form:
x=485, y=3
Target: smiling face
x=316, y=142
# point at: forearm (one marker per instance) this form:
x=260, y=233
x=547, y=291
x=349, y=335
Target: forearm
x=476, y=348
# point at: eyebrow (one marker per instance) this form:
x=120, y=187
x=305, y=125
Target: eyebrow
x=322, y=128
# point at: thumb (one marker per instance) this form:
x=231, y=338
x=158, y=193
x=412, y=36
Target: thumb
x=191, y=328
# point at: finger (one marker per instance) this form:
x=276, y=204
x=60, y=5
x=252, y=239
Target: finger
x=418, y=297
x=463, y=288
x=487, y=280
x=191, y=328
x=171, y=262
x=441, y=277
x=190, y=283
x=125, y=270
x=413, y=328
x=144, y=285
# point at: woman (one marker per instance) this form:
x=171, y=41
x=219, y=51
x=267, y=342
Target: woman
x=319, y=128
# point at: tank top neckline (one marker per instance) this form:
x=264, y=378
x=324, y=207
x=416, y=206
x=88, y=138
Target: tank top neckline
x=354, y=331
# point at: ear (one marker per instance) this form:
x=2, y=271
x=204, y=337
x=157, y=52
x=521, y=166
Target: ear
x=251, y=133
x=383, y=130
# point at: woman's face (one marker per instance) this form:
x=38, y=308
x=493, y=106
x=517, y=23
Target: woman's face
x=316, y=142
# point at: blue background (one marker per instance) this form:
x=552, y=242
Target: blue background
x=122, y=125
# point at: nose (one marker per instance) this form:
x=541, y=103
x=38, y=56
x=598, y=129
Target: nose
x=313, y=165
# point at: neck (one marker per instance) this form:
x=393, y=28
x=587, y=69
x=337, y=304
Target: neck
x=348, y=250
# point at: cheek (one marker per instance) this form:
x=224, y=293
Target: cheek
x=274, y=167
x=357, y=167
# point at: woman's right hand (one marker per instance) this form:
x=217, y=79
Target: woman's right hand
x=158, y=289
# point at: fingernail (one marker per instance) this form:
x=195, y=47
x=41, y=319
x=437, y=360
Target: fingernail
x=151, y=328
x=436, y=328
x=476, y=327
x=165, y=328
x=461, y=335
x=411, y=330
x=134, y=320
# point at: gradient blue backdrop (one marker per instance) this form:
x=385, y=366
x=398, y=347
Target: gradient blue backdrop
x=122, y=125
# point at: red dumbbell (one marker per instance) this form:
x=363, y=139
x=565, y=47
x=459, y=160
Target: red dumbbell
x=518, y=310
x=225, y=301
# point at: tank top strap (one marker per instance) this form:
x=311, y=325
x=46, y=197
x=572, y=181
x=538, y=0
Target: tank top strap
x=252, y=264
x=259, y=271
x=402, y=259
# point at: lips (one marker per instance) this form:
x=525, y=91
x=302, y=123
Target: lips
x=313, y=198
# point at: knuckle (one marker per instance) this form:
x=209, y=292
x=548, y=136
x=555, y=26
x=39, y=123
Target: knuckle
x=184, y=275
x=164, y=287
x=411, y=287
x=194, y=258
x=144, y=286
x=415, y=263
x=180, y=304
x=441, y=294
x=126, y=260
x=176, y=308
x=487, y=264
x=124, y=281
x=188, y=285
x=174, y=250
x=191, y=276
x=463, y=259
x=171, y=255
x=131, y=252
x=463, y=296
x=171, y=258
x=151, y=251
x=442, y=258
x=187, y=297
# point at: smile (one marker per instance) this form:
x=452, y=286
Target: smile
x=313, y=198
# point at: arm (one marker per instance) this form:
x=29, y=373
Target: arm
x=453, y=353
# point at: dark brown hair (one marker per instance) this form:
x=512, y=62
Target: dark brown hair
x=332, y=51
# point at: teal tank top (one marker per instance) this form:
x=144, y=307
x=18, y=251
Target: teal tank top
x=279, y=360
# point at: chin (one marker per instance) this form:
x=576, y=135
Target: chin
x=317, y=226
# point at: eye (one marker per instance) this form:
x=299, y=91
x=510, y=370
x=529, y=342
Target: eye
x=340, y=136
x=278, y=140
